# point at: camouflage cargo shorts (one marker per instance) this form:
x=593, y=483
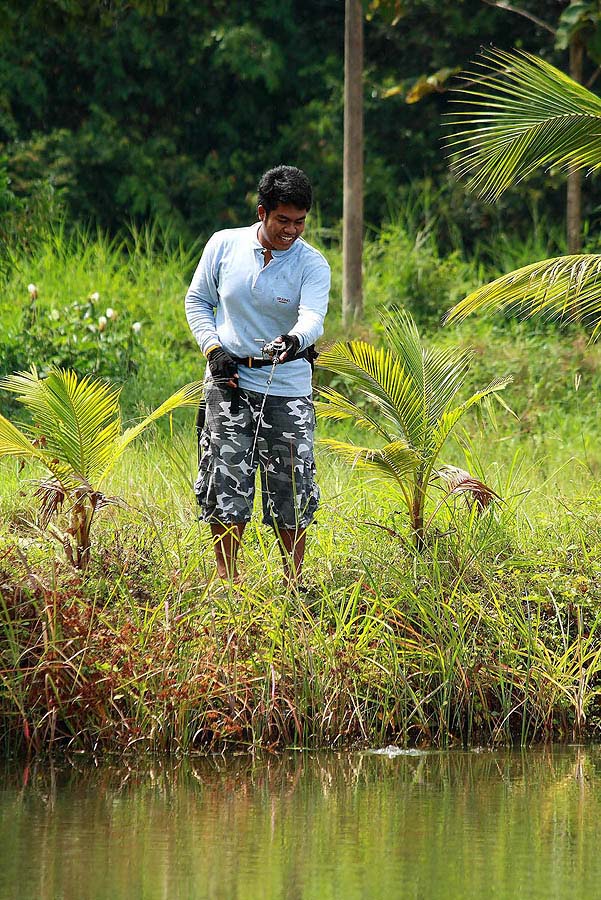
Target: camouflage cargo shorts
x=225, y=487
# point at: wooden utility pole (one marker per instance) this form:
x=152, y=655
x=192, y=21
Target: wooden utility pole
x=574, y=188
x=352, y=196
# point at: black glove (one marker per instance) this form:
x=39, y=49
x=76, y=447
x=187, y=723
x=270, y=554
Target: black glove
x=222, y=367
x=291, y=346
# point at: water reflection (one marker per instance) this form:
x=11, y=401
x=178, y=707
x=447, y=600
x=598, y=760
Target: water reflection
x=304, y=825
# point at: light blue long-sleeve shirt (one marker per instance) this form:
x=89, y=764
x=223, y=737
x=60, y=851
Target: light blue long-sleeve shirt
x=236, y=301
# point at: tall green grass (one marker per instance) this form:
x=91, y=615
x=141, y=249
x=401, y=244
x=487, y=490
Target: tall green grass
x=490, y=636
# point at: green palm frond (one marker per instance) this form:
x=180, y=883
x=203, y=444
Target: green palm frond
x=449, y=419
x=375, y=372
x=188, y=395
x=77, y=435
x=396, y=461
x=414, y=387
x=14, y=443
x=521, y=114
x=566, y=288
x=338, y=408
x=79, y=418
x=403, y=337
x=378, y=375
x=436, y=374
x=80, y=422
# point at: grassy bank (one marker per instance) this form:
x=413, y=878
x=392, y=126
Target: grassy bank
x=488, y=636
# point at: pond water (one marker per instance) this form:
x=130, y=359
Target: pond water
x=305, y=825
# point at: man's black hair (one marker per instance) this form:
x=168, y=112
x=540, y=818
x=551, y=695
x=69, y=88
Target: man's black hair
x=285, y=184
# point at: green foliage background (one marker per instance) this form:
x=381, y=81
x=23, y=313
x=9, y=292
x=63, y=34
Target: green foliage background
x=130, y=111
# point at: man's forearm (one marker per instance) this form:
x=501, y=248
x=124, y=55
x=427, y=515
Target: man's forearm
x=308, y=327
x=201, y=319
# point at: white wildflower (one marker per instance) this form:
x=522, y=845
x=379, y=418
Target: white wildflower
x=136, y=327
x=110, y=313
x=33, y=291
x=102, y=322
x=95, y=297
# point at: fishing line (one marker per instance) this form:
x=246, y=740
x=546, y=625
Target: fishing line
x=272, y=349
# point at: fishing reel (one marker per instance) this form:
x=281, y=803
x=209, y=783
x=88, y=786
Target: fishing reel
x=272, y=350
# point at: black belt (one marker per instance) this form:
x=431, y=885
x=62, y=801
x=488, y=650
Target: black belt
x=253, y=362
x=258, y=362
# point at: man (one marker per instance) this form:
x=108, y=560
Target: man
x=260, y=285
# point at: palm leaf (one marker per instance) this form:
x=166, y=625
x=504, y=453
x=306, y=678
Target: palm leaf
x=395, y=461
x=374, y=371
x=566, y=287
x=14, y=442
x=436, y=374
x=188, y=395
x=51, y=495
x=339, y=408
x=81, y=423
x=412, y=387
x=528, y=115
x=379, y=375
x=459, y=481
x=449, y=419
x=79, y=418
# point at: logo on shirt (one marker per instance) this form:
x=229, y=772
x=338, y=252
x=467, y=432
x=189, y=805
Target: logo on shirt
x=283, y=299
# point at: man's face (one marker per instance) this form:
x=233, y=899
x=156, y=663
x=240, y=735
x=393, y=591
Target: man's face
x=281, y=227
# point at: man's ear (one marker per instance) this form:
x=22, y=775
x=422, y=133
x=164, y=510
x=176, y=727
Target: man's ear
x=262, y=212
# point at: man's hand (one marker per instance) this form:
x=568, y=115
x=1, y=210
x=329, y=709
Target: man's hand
x=292, y=345
x=222, y=367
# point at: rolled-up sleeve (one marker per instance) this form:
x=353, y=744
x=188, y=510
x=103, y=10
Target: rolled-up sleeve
x=315, y=292
x=202, y=297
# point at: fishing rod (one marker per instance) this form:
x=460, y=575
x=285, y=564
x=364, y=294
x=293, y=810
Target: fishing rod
x=271, y=350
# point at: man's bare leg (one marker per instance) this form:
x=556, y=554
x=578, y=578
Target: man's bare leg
x=226, y=540
x=292, y=548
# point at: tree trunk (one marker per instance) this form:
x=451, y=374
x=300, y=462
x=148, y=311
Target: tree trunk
x=417, y=516
x=574, y=188
x=80, y=520
x=352, y=209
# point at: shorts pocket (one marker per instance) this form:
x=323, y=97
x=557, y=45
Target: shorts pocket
x=205, y=470
x=310, y=493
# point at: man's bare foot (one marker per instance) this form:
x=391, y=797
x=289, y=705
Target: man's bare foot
x=235, y=578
